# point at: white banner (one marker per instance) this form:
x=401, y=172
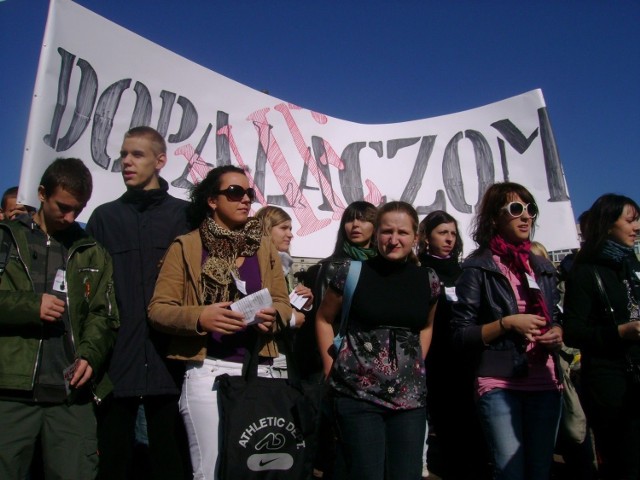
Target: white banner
x=96, y=80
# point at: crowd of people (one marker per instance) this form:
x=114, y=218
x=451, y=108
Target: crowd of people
x=112, y=337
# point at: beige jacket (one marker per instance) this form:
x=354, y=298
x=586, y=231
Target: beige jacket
x=177, y=299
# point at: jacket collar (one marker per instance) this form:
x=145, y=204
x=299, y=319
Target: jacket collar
x=484, y=259
x=72, y=237
x=143, y=199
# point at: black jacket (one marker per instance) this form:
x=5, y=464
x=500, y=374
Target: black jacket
x=588, y=326
x=317, y=278
x=485, y=295
x=136, y=229
x=442, y=360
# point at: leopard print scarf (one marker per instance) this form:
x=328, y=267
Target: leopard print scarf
x=224, y=247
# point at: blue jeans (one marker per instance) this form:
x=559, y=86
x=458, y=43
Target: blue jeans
x=375, y=440
x=521, y=429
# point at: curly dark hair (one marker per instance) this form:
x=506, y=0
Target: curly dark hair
x=490, y=209
x=203, y=191
x=430, y=222
x=604, y=212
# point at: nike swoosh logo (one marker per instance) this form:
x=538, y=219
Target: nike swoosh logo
x=263, y=463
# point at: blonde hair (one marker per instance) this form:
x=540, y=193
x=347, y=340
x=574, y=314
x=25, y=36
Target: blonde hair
x=538, y=249
x=270, y=217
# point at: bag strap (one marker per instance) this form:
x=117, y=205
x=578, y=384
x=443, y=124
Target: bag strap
x=347, y=295
x=603, y=295
x=250, y=364
x=5, y=249
x=251, y=360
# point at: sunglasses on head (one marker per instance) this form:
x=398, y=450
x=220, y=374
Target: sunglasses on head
x=236, y=193
x=516, y=209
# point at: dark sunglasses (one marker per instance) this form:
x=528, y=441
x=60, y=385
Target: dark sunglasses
x=516, y=209
x=236, y=193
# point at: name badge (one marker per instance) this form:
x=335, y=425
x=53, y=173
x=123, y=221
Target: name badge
x=450, y=294
x=532, y=282
x=59, y=283
x=241, y=285
x=637, y=275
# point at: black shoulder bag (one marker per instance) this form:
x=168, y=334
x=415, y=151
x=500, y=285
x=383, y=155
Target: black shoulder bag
x=268, y=426
x=633, y=368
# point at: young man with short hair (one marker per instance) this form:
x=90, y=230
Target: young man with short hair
x=57, y=328
x=136, y=229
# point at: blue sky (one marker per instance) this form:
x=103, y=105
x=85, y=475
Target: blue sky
x=386, y=62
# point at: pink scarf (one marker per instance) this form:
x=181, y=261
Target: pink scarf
x=516, y=258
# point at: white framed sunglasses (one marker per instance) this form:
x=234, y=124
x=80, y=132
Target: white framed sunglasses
x=516, y=209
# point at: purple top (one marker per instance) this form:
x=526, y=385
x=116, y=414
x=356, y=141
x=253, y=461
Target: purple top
x=232, y=347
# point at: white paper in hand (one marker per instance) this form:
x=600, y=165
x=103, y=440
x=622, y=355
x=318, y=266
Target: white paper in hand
x=252, y=304
x=297, y=301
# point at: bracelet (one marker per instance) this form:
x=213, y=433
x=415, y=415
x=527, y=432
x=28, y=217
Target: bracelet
x=502, y=327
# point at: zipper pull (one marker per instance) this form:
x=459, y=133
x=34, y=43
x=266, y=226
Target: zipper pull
x=87, y=288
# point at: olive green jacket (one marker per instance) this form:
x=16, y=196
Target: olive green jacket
x=90, y=304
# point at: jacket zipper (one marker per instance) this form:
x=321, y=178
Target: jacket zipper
x=72, y=252
x=96, y=398
x=24, y=265
x=514, y=301
x=66, y=265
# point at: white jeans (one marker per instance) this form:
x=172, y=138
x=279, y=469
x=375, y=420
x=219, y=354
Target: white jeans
x=280, y=367
x=199, y=409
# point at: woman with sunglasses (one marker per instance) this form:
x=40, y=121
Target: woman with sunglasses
x=605, y=325
x=506, y=319
x=226, y=258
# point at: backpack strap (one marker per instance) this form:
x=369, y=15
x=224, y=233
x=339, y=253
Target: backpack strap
x=5, y=249
x=347, y=294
